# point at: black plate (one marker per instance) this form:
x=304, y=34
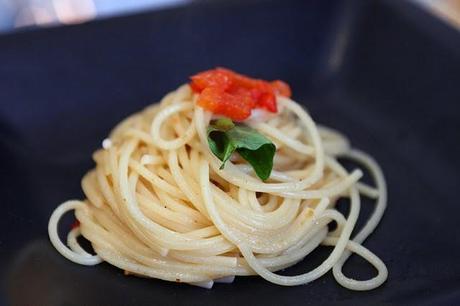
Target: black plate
x=386, y=73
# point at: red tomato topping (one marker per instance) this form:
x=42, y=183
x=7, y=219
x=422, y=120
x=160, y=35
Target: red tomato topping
x=218, y=78
x=234, y=95
x=268, y=101
x=281, y=88
x=217, y=101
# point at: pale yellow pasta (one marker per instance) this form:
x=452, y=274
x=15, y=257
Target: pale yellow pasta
x=159, y=205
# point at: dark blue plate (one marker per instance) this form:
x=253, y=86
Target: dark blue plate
x=386, y=73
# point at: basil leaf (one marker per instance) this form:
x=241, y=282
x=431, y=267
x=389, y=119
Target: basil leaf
x=261, y=159
x=225, y=137
x=220, y=144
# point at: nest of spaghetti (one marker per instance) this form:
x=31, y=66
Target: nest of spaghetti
x=159, y=203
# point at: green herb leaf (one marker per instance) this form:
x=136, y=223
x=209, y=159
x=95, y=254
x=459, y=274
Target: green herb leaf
x=225, y=137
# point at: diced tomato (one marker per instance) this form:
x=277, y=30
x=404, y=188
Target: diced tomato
x=195, y=87
x=237, y=108
x=268, y=101
x=244, y=82
x=217, y=78
x=281, y=88
x=217, y=101
x=259, y=88
x=210, y=98
x=228, y=93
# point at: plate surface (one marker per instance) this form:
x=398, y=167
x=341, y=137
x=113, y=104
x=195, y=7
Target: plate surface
x=385, y=73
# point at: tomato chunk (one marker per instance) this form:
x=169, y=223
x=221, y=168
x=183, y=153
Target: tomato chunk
x=220, y=102
x=225, y=92
x=218, y=78
x=281, y=88
x=268, y=101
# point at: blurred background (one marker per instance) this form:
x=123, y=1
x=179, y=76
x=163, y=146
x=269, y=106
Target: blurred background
x=20, y=14
x=17, y=14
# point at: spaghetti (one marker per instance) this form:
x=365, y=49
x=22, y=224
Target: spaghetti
x=159, y=205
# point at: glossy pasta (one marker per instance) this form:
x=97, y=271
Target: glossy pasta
x=159, y=206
